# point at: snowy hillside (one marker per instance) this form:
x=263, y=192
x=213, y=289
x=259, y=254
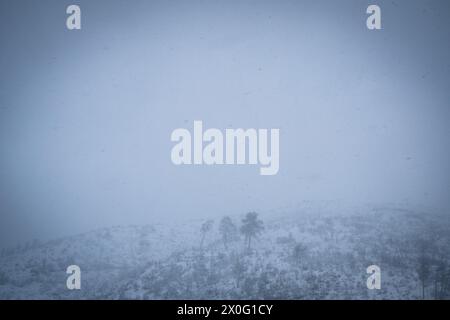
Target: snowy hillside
x=307, y=253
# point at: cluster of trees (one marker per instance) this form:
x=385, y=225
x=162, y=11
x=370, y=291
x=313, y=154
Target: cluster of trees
x=251, y=227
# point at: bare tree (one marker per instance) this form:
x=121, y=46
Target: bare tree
x=251, y=227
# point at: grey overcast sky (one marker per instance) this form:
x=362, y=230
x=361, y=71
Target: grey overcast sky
x=86, y=115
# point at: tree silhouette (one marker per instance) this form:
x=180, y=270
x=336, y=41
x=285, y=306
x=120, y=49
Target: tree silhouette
x=251, y=227
x=228, y=230
x=205, y=228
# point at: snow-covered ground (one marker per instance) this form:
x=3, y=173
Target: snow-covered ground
x=310, y=252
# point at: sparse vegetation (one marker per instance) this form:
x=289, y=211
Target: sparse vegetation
x=305, y=256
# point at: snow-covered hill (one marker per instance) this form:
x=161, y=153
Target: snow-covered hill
x=319, y=252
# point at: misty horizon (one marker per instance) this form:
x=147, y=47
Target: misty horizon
x=86, y=115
